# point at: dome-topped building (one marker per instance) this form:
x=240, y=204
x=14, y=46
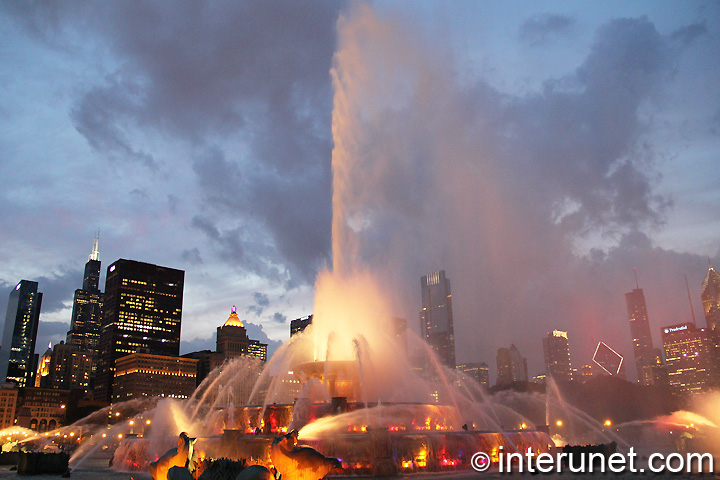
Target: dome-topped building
x=233, y=320
x=233, y=341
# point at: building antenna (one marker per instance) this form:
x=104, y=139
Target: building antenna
x=692, y=311
x=95, y=253
x=637, y=285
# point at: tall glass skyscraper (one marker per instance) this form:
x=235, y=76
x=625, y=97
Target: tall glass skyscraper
x=87, y=307
x=436, y=317
x=142, y=310
x=646, y=356
x=19, y=334
x=557, y=356
x=710, y=296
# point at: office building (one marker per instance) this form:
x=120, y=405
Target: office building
x=557, y=356
x=70, y=368
x=512, y=367
x=8, y=404
x=300, y=324
x=143, y=375
x=646, y=356
x=480, y=372
x=87, y=308
x=19, y=334
x=42, y=409
x=257, y=349
x=710, y=296
x=142, y=311
x=233, y=341
x=436, y=316
x=692, y=356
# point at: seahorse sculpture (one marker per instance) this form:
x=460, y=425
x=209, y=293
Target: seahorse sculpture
x=180, y=456
x=300, y=462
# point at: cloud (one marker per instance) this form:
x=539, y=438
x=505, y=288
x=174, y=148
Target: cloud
x=192, y=256
x=58, y=290
x=243, y=86
x=540, y=28
x=261, y=301
x=98, y=117
x=53, y=332
x=279, y=317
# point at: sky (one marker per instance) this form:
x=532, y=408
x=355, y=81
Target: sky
x=538, y=152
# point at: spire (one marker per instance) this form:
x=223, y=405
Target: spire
x=95, y=253
x=637, y=285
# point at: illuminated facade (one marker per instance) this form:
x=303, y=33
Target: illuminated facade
x=710, y=296
x=436, y=316
x=87, y=308
x=646, y=356
x=20, y=333
x=692, y=356
x=143, y=375
x=557, y=356
x=233, y=341
x=42, y=375
x=142, y=311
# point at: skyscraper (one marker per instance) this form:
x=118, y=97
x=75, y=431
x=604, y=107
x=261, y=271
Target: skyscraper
x=710, y=296
x=87, y=308
x=557, y=356
x=693, y=358
x=646, y=356
x=512, y=367
x=142, y=311
x=233, y=341
x=19, y=334
x=436, y=317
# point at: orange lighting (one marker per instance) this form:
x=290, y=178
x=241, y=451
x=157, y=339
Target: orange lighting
x=608, y=423
x=559, y=423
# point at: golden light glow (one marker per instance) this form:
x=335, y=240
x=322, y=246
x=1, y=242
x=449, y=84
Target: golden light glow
x=559, y=423
x=608, y=423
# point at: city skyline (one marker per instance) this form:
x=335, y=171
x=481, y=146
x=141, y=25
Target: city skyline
x=531, y=173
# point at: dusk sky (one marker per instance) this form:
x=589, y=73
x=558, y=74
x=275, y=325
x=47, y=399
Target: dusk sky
x=535, y=151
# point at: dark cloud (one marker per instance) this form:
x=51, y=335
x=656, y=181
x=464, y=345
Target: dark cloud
x=261, y=301
x=53, y=332
x=192, y=256
x=539, y=28
x=690, y=32
x=58, y=290
x=98, y=116
x=241, y=249
x=204, y=73
x=279, y=317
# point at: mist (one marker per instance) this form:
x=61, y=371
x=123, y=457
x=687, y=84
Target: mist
x=537, y=207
